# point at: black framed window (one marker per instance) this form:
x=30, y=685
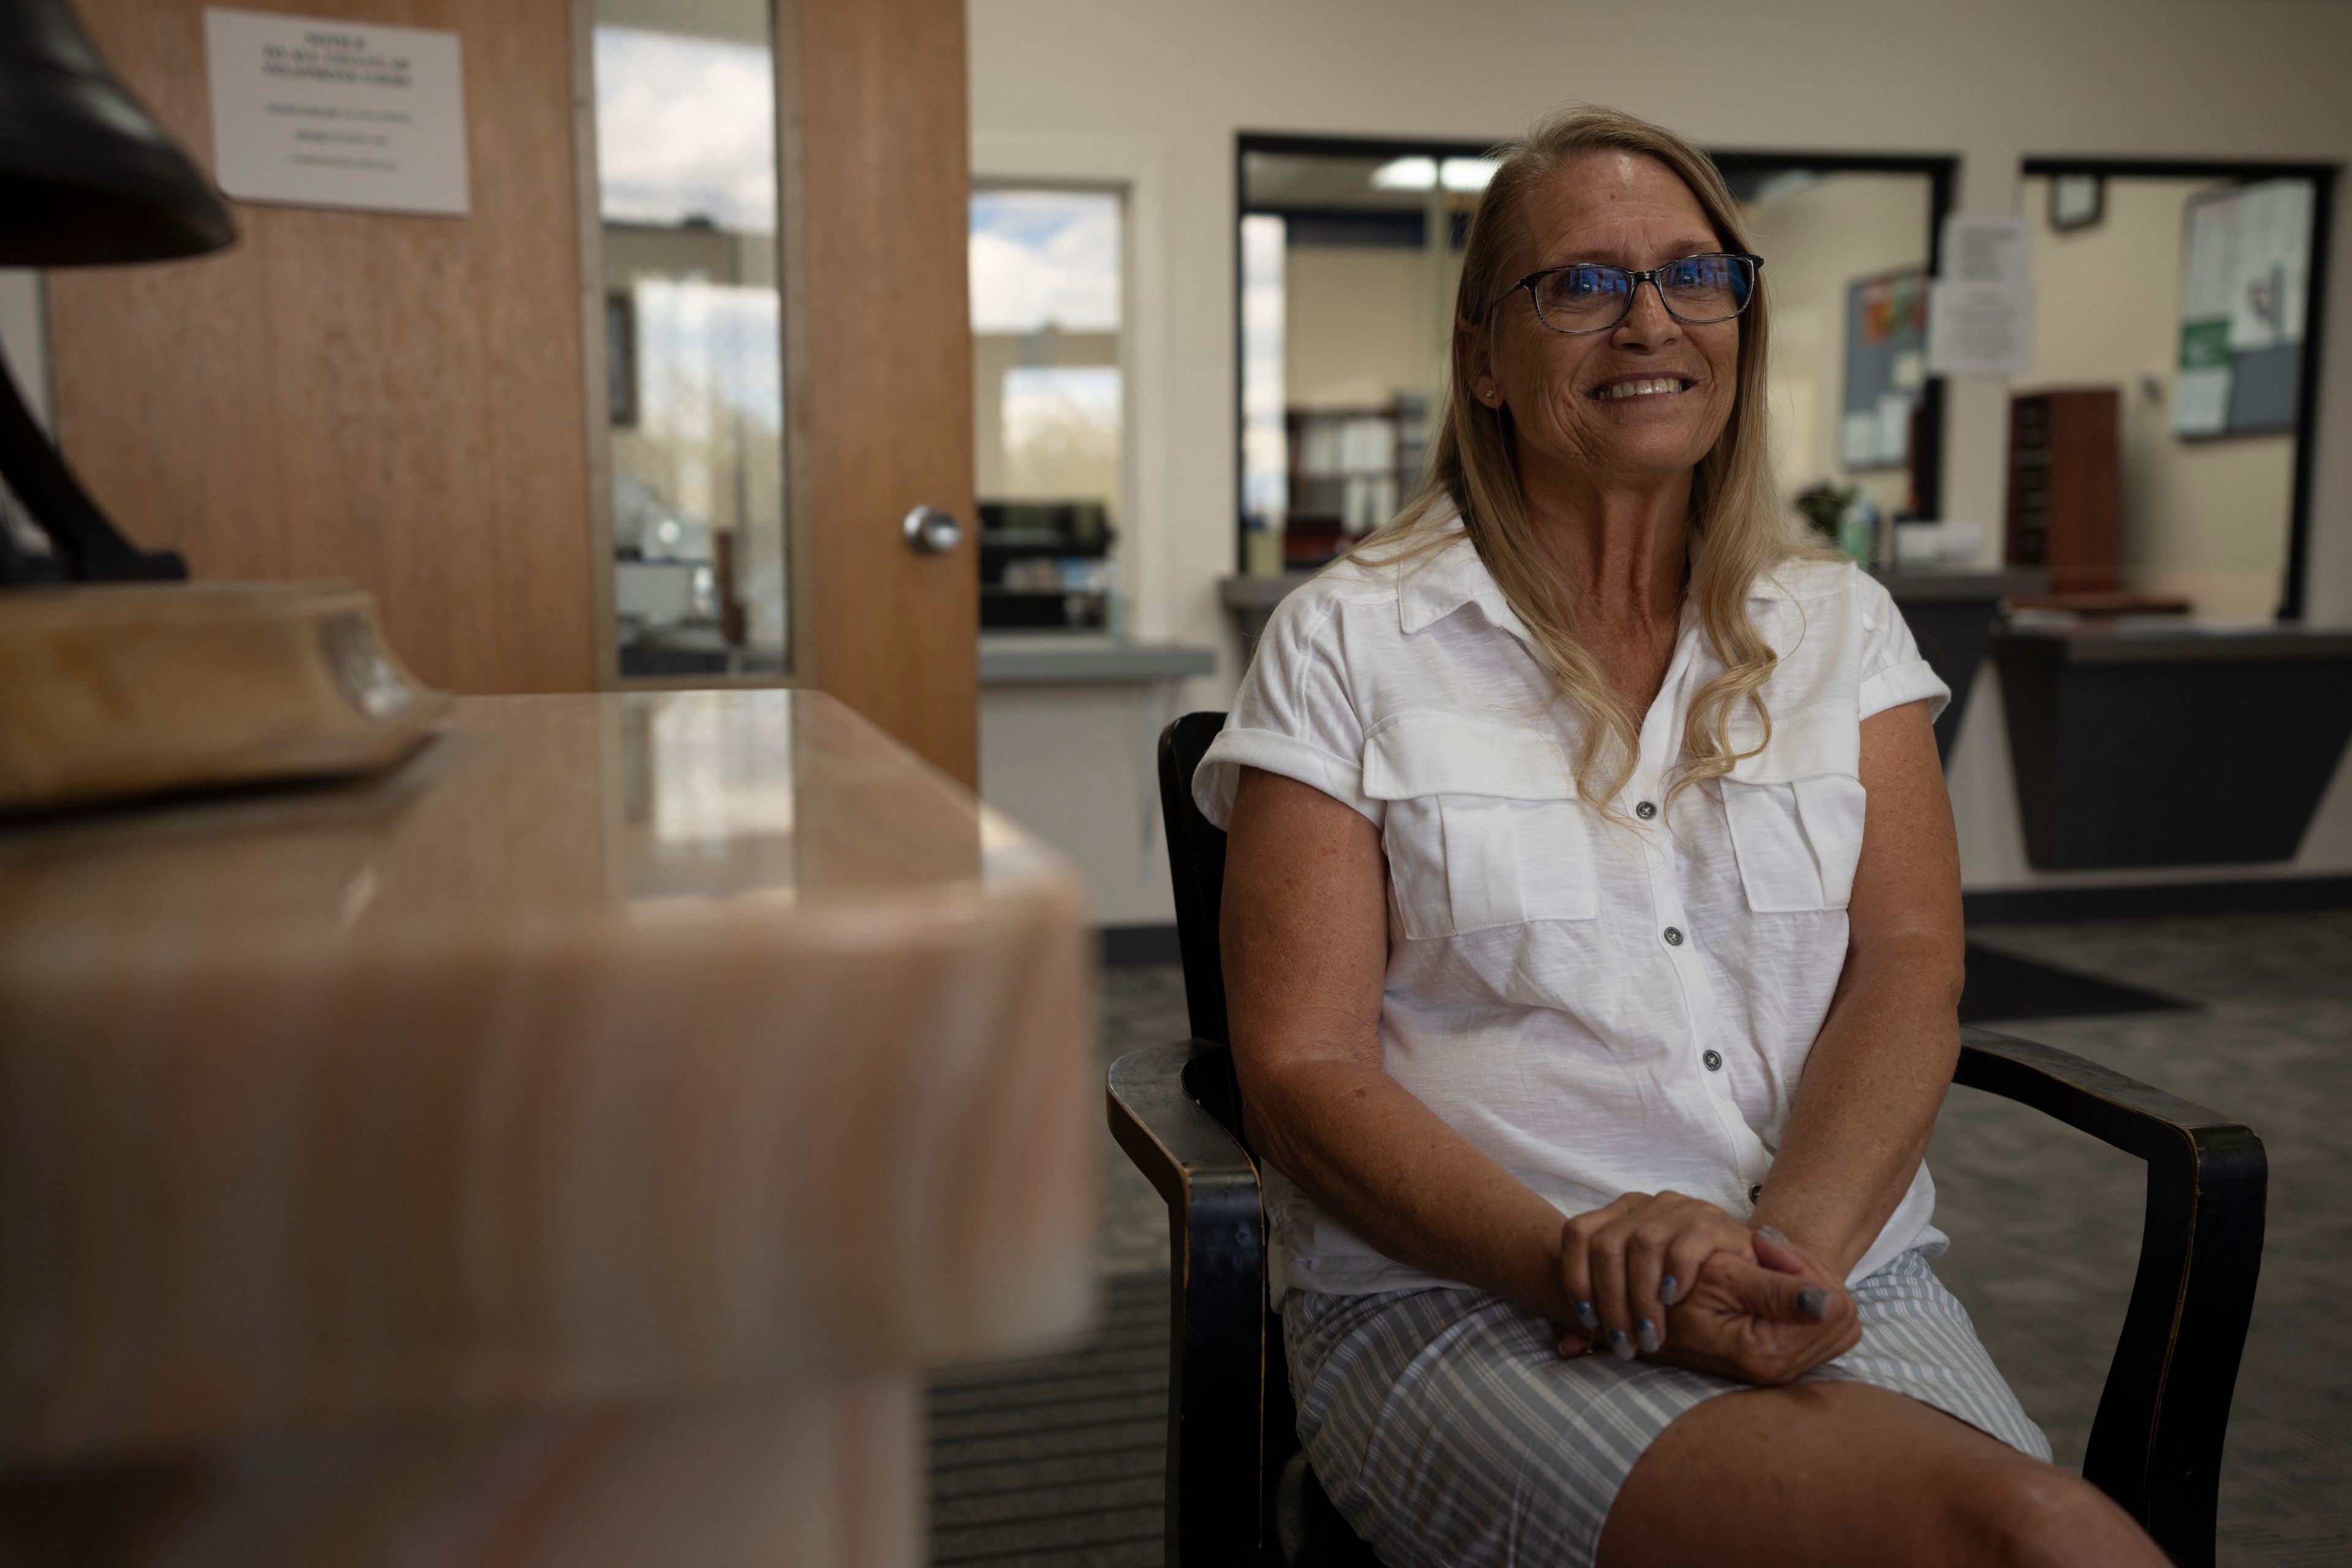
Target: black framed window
x=1347, y=256
x=2194, y=293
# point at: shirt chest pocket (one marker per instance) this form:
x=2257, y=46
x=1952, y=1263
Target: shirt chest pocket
x=1484, y=828
x=1796, y=812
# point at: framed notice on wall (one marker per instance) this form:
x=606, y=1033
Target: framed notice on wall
x=2245, y=282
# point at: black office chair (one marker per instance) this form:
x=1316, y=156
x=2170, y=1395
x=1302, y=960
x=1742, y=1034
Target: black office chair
x=1239, y=1490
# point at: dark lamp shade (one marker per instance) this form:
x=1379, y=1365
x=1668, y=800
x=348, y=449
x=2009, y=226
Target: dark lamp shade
x=86, y=177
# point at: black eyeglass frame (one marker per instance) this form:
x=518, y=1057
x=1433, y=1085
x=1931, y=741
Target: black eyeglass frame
x=1633, y=281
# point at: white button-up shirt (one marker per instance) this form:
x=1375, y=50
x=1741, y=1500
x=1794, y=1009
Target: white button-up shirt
x=1603, y=1006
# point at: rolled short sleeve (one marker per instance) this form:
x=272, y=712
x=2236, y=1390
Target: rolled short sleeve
x=1893, y=673
x=1294, y=715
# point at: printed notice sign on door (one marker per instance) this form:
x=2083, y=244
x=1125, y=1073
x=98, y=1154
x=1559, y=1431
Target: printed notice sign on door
x=336, y=114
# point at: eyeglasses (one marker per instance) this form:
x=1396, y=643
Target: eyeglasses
x=1587, y=296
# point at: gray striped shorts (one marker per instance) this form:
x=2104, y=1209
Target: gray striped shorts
x=1449, y=1430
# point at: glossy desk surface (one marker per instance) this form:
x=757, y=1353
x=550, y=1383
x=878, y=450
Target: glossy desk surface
x=614, y=1048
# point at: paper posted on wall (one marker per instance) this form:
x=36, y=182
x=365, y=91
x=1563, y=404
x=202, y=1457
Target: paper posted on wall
x=324, y=112
x=1981, y=308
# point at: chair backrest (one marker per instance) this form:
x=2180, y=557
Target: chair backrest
x=1196, y=865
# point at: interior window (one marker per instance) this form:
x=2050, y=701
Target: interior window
x=1857, y=421
x=685, y=148
x=1350, y=257
x=1049, y=406
x=2173, y=307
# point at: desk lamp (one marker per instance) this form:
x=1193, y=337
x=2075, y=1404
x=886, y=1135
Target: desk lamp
x=107, y=688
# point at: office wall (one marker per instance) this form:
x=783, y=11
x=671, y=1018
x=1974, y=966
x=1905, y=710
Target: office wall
x=1815, y=241
x=1991, y=83
x=1356, y=323
x=2207, y=519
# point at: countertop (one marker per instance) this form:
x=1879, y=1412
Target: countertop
x=614, y=1049
x=1927, y=585
x=2093, y=642
x=1055, y=659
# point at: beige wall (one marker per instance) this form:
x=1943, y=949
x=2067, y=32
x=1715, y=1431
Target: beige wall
x=1815, y=241
x=1357, y=323
x=2203, y=519
x=1991, y=83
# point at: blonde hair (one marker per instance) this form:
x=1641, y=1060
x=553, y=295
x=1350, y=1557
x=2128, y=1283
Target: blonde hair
x=1737, y=527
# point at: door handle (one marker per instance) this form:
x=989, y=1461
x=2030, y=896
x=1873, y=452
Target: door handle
x=931, y=531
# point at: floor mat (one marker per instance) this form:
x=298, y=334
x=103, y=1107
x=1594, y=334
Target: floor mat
x=2003, y=987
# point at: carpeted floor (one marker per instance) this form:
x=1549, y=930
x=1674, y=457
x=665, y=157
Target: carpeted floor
x=1056, y=1463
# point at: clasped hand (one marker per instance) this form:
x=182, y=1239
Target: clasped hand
x=1678, y=1280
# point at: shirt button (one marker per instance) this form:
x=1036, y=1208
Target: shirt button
x=1646, y=811
x=1714, y=1060
x=1673, y=936
x=1755, y=1192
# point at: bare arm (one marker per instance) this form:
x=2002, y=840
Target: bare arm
x=1866, y=1105
x=1305, y=936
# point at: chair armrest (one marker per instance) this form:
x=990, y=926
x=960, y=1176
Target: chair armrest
x=1216, y=1243
x=2155, y=1443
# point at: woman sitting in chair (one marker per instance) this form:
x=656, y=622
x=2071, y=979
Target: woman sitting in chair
x=1590, y=1030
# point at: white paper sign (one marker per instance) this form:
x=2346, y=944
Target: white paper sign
x=337, y=114
x=1980, y=307
x=1979, y=329
x=1988, y=250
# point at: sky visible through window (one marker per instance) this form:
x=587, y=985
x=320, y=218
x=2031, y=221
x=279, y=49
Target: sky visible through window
x=686, y=129
x=1044, y=258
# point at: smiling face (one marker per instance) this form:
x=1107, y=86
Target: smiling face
x=1643, y=401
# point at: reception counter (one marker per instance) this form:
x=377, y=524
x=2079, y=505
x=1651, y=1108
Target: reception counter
x=570, y=1148
x=2172, y=745
x=1952, y=613
x=1069, y=728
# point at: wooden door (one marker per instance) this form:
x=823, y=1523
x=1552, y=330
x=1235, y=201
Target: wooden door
x=403, y=402
x=883, y=182
x=382, y=398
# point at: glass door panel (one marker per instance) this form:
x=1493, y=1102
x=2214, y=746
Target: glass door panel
x=686, y=147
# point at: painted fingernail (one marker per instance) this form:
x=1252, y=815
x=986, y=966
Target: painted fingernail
x=1772, y=1231
x=1666, y=1291
x=1622, y=1346
x=1813, y=1303
x=1648, y=1332
x=1587, y=1316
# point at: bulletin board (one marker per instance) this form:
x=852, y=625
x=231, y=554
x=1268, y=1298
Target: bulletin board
x=1886, y=367
x=2245, y=284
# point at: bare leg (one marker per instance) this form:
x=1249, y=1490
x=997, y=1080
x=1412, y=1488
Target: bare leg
x=1822, y=1475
